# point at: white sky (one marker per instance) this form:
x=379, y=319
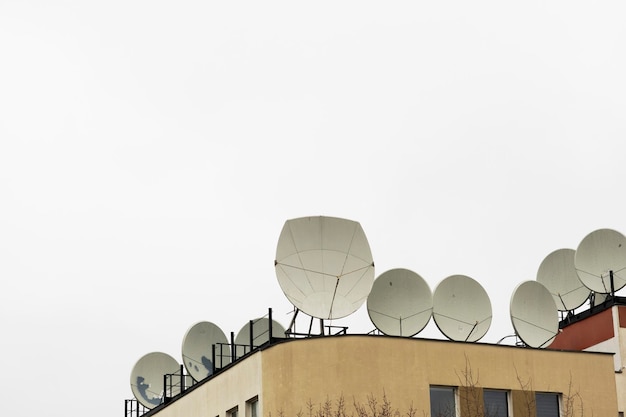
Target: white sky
x=151, y=151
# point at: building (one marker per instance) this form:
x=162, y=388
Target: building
x=416, y=377
x=325, y=268
x=602, y=328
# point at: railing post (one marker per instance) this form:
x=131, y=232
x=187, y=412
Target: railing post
x=213, y=359
x=164, y=389
x=232, y=346
x=270, y=317
x=251, y=334
x=182, y=379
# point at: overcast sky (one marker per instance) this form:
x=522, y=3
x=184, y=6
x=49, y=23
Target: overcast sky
x=151, y=151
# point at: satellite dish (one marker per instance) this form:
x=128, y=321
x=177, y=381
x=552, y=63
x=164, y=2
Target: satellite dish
x=558, y=274
x=400, y=303
x=324, y=265
x=461, y=308
x=534, y=314
x=599, y=255
x=260, y=334
x=146, y=378
x=198, y=349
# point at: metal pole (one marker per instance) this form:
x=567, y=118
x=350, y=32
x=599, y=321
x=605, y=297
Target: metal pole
x=292, y=325
x=251, y=334
x=612, y=284
x=232, y=347
x=269, y=313
x=213, y=359
x=164, y=389
x=182, y=379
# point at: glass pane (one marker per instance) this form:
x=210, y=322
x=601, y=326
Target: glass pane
x=547, y=404
x=442, y=402
x=495, y=403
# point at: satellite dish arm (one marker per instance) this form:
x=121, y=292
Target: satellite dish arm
x=550, y=339
x=506, y=337
x=292, y=325
x=470, y=333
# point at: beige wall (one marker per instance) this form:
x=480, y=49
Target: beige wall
x=287, y=376
x=300, y=371
x=231, y=388
x=620, y=377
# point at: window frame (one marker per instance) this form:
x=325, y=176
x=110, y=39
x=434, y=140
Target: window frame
x=559, y=400
x=252, y=404
x=455, y=398
x=233, y=412
x=507, y=397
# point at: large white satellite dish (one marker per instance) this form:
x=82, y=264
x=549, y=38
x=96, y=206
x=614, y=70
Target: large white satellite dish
x=558, y=274
x=324, y=265
x=461, y=308
x=197, y=349
x=600, y=255
x=534, y=314
x=400, y=303
x=260, y=334
x=146, y=378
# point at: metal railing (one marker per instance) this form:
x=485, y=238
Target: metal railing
x=222, y=355
x=133, y=408
x=176, y=383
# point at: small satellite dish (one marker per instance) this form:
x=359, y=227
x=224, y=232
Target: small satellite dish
x=400, y=303
x=558, y=274
x=534, y=314
x=461, y=308
x=146, y=378
x=197, y=349
x=600, y=255
x=260, y=334
x=324, y=265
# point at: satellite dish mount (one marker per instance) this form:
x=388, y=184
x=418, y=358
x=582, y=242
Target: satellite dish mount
x=292, y=326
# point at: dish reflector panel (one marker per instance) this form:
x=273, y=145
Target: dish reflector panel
x=146, y=378
x=197, y=349
x=400, y=303
x=534, y=314
x=558, y=274
x=260, y=334
x=324, y=265
x=461, y=308
x=598, y=254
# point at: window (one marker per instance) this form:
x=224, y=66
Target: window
x=252, y=407
x=547, y=404
x=442, y=402
x=233, y=412
x=496, y=403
